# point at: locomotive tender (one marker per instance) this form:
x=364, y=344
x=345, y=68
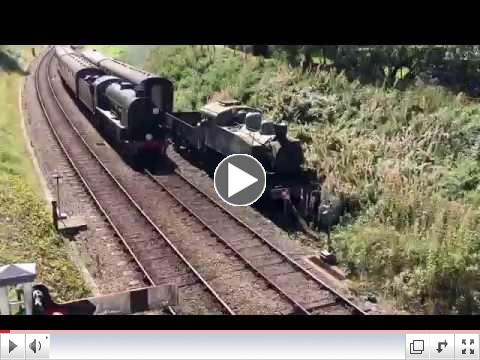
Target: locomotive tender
x=121, y=113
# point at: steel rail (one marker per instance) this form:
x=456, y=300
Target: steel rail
x=308, y=274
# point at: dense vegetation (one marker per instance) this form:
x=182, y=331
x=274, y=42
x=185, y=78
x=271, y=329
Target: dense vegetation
x=407, y=155
x=456, y=67
x=26, y=233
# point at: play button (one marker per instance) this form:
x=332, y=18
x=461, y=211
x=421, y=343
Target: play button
x=11, y=346
x=239, y=180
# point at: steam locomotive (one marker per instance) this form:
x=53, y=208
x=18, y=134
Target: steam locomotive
x=227, y=127
x=122, y=112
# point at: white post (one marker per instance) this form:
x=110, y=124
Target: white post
x=28, y=298
x=4, y=304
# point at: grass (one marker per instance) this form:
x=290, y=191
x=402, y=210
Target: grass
x=26, y=235
x=14, y=157
x=408, y=160
x=200, y=73
x=26, y=232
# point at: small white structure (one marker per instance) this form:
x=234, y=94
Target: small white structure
x=17, y=275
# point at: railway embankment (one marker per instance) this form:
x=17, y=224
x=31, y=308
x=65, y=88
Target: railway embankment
x=26, y=233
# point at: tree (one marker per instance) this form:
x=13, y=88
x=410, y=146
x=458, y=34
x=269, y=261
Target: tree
x=260, y=50
x=453, y=66
x=308, y=51
x=291, y=53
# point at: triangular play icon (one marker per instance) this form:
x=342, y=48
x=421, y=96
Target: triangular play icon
x=11, y=346
x=238, y=180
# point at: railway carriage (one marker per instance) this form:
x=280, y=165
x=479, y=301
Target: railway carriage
x=76, y=72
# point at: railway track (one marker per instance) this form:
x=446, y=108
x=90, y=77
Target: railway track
x=162, y=256
x=153, y=253
x=308, y=294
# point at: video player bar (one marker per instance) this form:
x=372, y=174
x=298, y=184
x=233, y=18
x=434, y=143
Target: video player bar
x=238, y=345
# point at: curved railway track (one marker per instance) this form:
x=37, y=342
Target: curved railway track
x=134, y=228
x=162, y=258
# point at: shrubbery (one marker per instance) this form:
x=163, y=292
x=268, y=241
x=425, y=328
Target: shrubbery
x=392, y=65
x=410, y=158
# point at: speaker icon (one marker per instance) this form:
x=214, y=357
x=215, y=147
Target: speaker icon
x=35, y=346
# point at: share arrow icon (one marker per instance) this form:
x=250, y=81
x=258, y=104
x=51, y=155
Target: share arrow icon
x=440, y=347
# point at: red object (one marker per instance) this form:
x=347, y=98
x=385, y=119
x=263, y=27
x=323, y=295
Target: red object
x=4, y=331
x=285, y=194
x=55, y=310
x=154, y=146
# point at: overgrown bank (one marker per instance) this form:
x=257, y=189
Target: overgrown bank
x=408, y=158
x=26, y=233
